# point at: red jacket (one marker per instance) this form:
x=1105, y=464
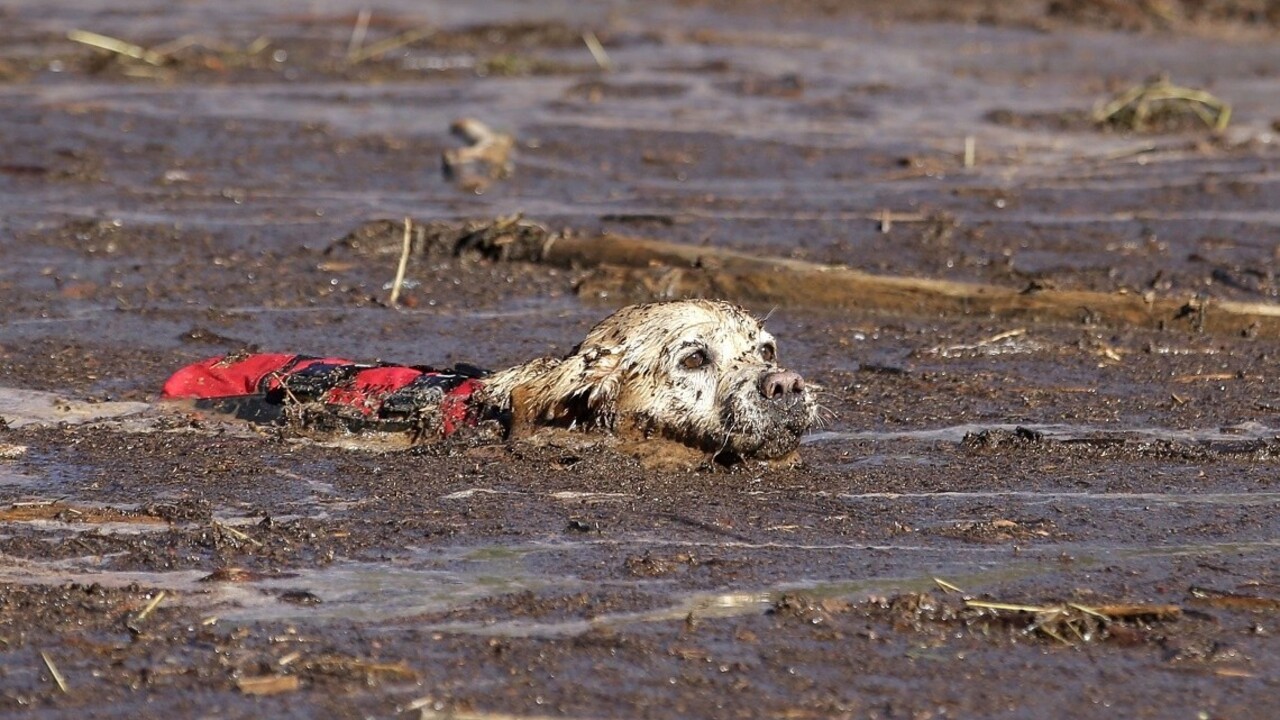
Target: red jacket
x=258, y=387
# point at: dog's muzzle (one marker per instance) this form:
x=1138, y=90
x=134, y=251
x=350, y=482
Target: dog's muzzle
x=767, y=423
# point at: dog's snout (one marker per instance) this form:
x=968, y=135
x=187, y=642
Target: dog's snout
x=781, y=384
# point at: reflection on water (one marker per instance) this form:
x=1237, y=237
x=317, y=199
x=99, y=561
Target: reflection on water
x=19, y=408
x=437, y=580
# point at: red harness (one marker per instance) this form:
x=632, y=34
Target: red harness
x=259, y=386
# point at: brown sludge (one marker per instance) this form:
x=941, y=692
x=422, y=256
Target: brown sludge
x=1043, y=342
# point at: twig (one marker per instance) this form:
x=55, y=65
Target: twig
x=886, y=221
x=970, y=150
x=985, y=343
x=404, y=263
x=260, y=43
x=53, y=670
x=177, y=44
x=358, y=33
x=987, y=605
x=155, y=603
x=1090, y=611
x=597, y=50
x=1004, y=336
x=946, y=586
x=115, y=45
x=236, y=534
x=388, y=45
x=426, y=706
x=268, y=684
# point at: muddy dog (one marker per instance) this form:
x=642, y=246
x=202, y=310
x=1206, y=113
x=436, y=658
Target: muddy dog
x=675, y=383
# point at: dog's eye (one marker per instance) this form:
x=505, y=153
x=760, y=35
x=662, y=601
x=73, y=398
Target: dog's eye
x=695, y=359
x=768, y=353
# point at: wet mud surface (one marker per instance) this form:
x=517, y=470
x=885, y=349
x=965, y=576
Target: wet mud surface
x=995, y=519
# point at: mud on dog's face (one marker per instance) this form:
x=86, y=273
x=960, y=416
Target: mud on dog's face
x=700, y=372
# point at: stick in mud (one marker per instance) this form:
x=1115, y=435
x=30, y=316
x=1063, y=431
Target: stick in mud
x=54, y=672
x=242, y=537
x=358, y=32
x=115, y=45
x=404, y=263
x=385, y=46
x=268, y=684
x=151, y=606
x=946, y=586
x=631, y=269
x=1084, y=623
x=624, y=269
x=597, y=51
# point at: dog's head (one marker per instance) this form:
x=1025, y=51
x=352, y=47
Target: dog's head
x=703, y=373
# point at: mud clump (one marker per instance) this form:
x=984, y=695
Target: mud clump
x=1000, y=440
x=808, y=609
x=651, y=564
x=508, y=239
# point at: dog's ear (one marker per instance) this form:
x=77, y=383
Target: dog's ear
x=582, y=389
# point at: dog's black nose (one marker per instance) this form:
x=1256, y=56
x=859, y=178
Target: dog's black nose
x=781, y=383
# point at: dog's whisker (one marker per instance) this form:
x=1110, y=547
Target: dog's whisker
x=728, y=435
x=822, y=417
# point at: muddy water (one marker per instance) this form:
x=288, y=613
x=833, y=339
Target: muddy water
x=155, y=214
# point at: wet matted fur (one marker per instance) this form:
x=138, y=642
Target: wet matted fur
x=699, y=374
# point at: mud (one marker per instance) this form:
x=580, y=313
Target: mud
x=997, y=517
